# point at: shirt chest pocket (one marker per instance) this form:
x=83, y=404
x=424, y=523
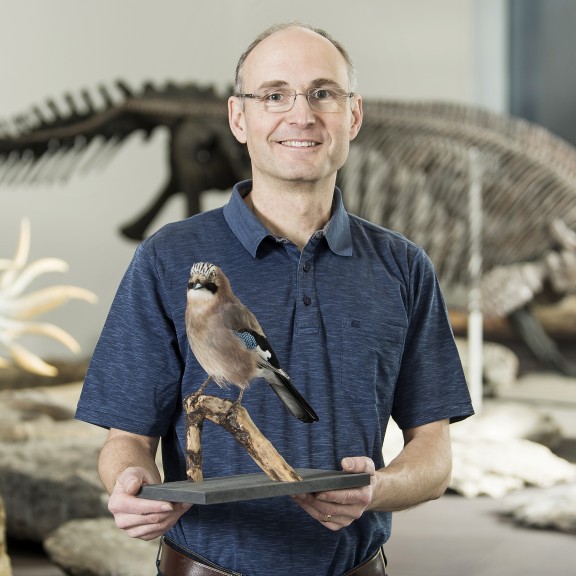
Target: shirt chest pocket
x=371, y=353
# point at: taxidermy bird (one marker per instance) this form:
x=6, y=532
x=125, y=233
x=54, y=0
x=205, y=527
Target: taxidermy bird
x=229, y=343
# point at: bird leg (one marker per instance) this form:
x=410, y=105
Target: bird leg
x=202, y=388
x=238, y=401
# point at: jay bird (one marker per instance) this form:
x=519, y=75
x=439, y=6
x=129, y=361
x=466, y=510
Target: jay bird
x=229, y=343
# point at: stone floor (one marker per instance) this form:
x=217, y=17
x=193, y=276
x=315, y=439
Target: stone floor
x=459, y=537
x=453, y=536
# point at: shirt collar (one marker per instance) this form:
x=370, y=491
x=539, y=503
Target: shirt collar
x=251, y=232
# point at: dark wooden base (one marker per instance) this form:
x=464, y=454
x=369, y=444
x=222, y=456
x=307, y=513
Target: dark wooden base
x=251, y=487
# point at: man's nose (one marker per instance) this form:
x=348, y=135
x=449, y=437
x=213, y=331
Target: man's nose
x=301, y=110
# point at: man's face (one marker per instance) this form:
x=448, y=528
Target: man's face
x=300, y=145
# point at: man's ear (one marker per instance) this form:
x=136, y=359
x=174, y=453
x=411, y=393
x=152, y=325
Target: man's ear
x=357, y=115
x=237, y=119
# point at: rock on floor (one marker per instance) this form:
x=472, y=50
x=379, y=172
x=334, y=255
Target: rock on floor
x=5, y=567
x=97, y=548
x=553, y=508
x=48, y=482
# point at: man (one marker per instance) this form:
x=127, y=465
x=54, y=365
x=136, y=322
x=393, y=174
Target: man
x=354, y=314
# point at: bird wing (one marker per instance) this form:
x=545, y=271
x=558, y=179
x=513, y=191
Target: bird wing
x=238, y=317
x=275, y=376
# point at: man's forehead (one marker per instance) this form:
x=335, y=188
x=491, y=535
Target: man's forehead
x=295, y=54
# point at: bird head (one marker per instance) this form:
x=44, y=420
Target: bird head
x=204, y=276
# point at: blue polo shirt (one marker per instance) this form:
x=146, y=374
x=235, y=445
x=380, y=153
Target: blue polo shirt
x=357, y=320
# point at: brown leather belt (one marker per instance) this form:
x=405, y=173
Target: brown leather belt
x=174, y=563
x=374, y=566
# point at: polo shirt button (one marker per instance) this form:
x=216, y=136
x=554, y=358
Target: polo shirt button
x=306, y=267
x=307, y=300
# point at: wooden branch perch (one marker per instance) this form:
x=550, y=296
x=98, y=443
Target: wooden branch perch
x=235, y=419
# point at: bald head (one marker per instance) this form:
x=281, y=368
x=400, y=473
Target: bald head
x=278, y=28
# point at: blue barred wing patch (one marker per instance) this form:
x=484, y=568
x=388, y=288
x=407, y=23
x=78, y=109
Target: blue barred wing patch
x=248, y=339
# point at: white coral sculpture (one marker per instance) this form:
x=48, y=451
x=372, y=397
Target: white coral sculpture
x=17, y=309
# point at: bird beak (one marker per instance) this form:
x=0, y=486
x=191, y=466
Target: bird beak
x=195, y=285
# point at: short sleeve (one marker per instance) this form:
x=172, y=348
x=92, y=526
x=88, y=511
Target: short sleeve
x=133, y=382
x=431, y=385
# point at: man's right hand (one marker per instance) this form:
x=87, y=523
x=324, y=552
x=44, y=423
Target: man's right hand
x=139, y=517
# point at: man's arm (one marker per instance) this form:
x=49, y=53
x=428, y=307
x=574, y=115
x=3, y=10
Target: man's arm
x=127, y=461
x=421, y=472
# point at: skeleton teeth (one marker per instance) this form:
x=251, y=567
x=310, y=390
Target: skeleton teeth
x=298, y=143
x=16, y=308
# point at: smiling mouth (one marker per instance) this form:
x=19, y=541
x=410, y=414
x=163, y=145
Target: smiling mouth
x=298, y=143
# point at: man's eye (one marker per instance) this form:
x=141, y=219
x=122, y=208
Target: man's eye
x=323, y=94
x=274, y=97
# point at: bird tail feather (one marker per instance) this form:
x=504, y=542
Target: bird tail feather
x=292, y=399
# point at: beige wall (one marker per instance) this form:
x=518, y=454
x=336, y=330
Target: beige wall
x=404, y=49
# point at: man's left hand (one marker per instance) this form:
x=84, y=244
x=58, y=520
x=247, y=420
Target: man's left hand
x=339, y=508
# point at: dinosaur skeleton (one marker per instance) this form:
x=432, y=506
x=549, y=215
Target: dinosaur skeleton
x=408, y=169
x=50, y=145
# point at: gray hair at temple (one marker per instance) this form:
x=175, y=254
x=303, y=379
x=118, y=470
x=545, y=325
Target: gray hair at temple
x=239, y=81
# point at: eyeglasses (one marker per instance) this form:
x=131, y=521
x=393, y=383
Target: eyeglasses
x=319, y=99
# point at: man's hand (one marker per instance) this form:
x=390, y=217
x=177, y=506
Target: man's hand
x=138, y=517
x=339, y=508
x=421, y=472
